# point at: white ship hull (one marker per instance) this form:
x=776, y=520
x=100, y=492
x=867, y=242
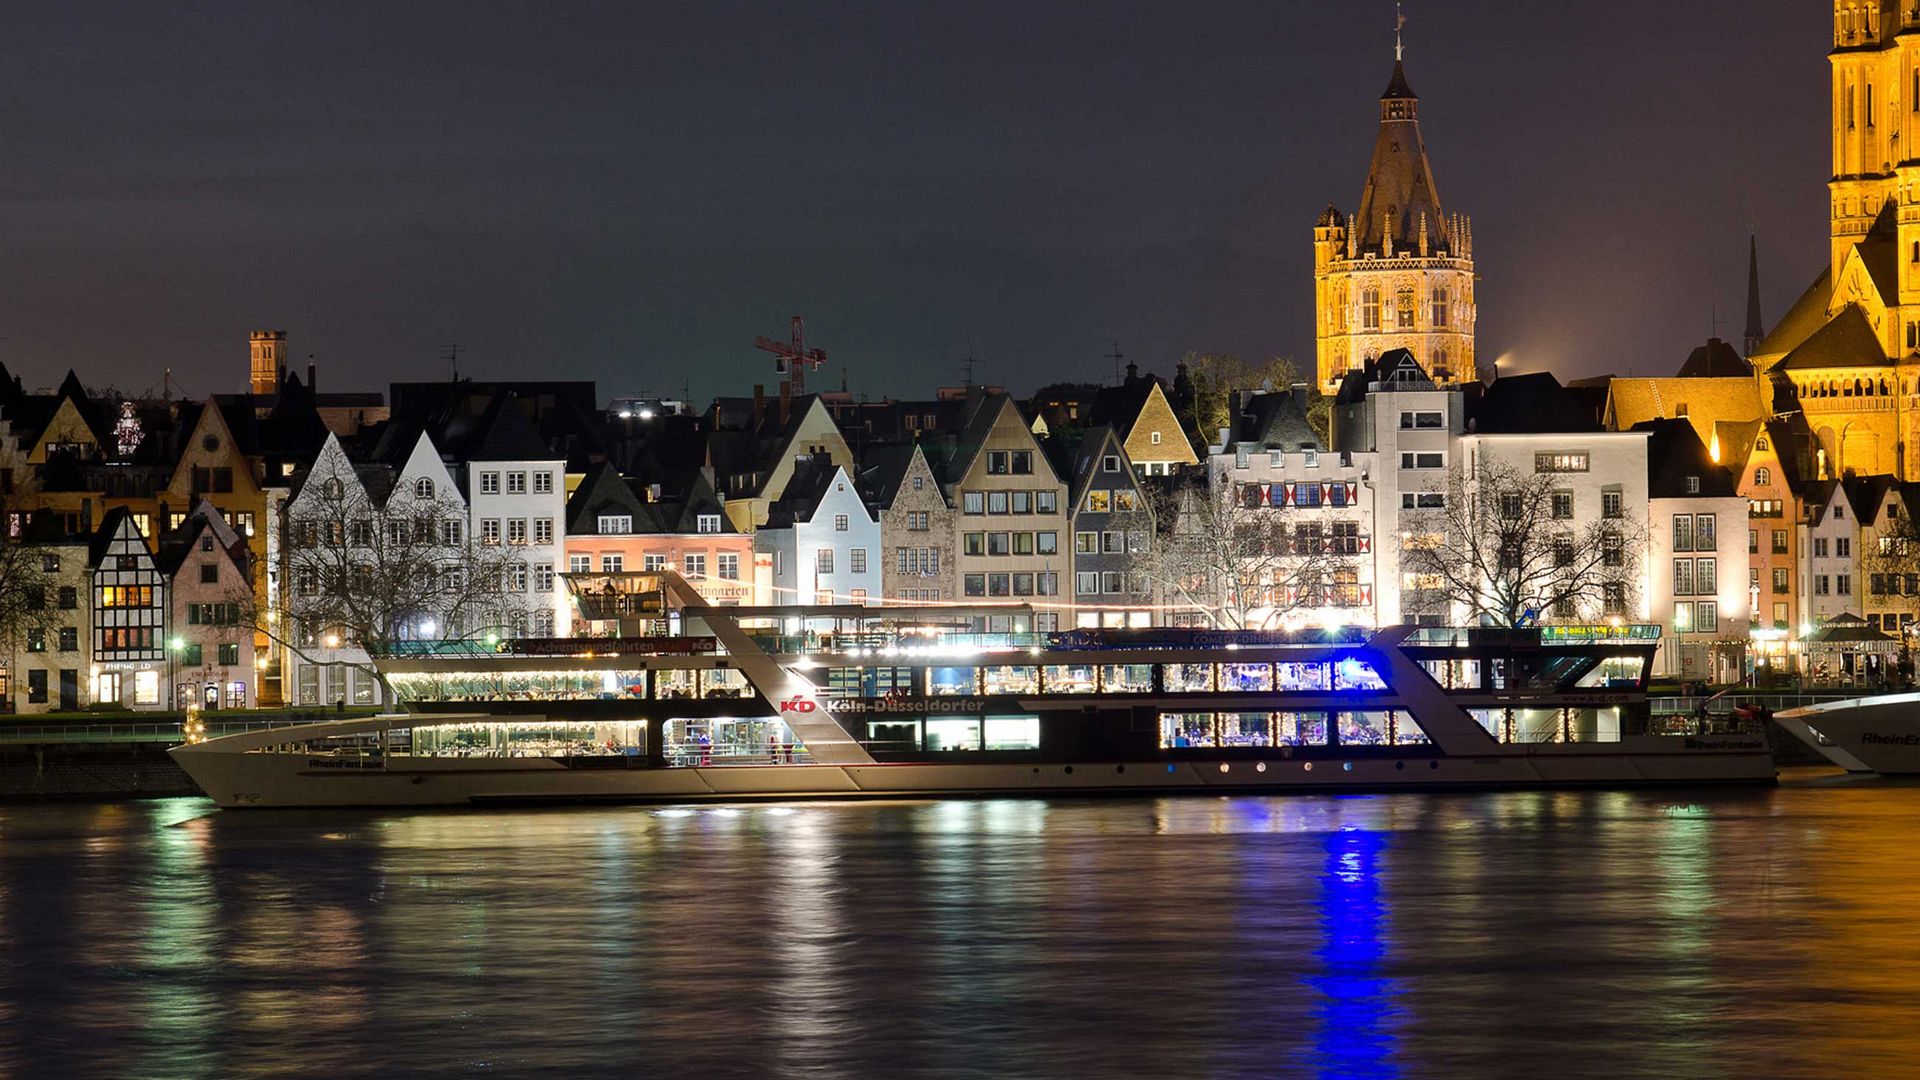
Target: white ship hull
x=269, y=779
x=1875, y=734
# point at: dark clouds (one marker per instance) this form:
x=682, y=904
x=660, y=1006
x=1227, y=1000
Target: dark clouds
x=631, y=193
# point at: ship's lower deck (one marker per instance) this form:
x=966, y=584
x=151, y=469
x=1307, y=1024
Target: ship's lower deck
x=293, y=779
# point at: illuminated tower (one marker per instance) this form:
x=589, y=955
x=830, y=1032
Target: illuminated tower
x=269, y=360
x=1399, y=273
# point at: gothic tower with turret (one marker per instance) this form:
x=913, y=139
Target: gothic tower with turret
x=1397, y=273
x=1847, y=354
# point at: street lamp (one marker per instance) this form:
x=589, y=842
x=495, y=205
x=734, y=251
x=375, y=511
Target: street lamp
x=174, y=645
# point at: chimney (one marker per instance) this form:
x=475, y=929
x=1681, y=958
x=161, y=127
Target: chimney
x=1300, y=397
x=786, y=401
x=312, y=386
x=759, y=403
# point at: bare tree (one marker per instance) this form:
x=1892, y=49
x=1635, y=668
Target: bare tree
x=26, y=590
x=1505, y=547
x=1223, y=551
x=377, y=574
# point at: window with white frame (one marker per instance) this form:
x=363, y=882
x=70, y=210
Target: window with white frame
x=823, y=561
x=615, y=524
x=839, y=523
x=489, y=483
x=707, y=523
x=579, y=564
x=612, y=562
x=543, y=483
x=653, y=562
x=516, y=483
x=489, y=530
x=727, y=566
x=694, y=564
x=543, y=577
x=543, y=530
x=517, y=531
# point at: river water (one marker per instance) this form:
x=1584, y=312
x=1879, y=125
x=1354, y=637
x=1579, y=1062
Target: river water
x=1770, y=932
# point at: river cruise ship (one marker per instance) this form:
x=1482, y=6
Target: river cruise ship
x=1878, y=734
x=896, y=704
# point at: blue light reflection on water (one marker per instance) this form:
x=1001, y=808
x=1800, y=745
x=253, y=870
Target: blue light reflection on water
x=1354, y=1036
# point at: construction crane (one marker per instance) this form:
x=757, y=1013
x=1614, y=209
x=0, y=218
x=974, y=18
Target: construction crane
x=792, y=359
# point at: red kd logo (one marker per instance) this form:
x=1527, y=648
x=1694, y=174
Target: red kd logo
x=797, y=705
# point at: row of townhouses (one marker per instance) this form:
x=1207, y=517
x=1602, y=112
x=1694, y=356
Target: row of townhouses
x=247, y=549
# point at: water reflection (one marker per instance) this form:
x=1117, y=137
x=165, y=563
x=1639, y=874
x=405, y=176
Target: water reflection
x=1353, y=1036
x=1635, y=935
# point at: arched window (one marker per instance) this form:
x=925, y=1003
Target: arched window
x=1762, y=476
x=333, y=488
x=423, y=488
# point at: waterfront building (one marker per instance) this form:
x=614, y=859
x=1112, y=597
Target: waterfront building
x=615, y=530
x=918, y=525
x=1397, y=273
x=1830, y=539
x=1113, y=533
x=1011, y=501
x=129, y=612
x=1767, y=472
x=1695, y=556
x=516, y=496
x=49, y=663
x=823, y=542
x=1401, y=426
x=1889, y=561
x=210, y=645
x=1312, y=507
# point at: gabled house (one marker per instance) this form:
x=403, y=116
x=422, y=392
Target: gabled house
x=1696, y=544
x=41, y=667
x=209, y=568
x=130, y=622
x=752, y=454
x=917, y=524
x=823, y=542
x=1012, y=514
x=1113, y=534
x=615, y=530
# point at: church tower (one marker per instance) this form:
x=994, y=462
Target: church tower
x=269, y=361
x=1398, y=273
x=1847, y=354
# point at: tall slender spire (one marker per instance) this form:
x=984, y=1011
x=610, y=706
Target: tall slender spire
x=1399, y=20
x=1756, y=330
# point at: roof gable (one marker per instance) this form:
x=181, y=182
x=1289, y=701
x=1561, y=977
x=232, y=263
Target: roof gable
x=1847, y=340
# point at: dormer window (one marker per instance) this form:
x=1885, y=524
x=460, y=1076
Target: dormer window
x=707, y=523
x=616, y=524
x=1693, y=485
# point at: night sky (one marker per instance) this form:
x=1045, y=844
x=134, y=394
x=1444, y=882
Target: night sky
x=631, y=193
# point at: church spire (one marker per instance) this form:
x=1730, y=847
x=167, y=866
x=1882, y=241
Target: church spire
x=1400, y=186
x=1756, y=330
